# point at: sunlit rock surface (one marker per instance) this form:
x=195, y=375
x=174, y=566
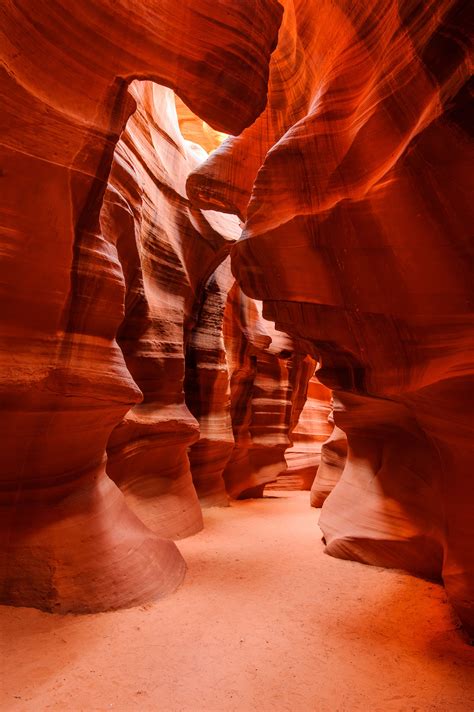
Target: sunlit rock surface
x=357, y=241
x=167, y=251
x=196, y=130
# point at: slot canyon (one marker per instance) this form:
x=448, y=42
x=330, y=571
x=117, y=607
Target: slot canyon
x=237, y=356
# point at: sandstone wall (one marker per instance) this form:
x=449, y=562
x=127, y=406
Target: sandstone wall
x=357, y=241
x=68, y=540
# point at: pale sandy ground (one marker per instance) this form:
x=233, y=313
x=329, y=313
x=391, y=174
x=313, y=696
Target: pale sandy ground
x=264, y=621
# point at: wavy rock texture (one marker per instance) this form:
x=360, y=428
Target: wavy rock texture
x=357, y=241
x=304, y=457
x=208, y=393
x=67, y=539
x=355, y=184
x=247, y=391
x=167, y=251
x=333, y=461
x=260, y=385
x=225, y=182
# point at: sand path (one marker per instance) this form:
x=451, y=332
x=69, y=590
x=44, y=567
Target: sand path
x=265, y=621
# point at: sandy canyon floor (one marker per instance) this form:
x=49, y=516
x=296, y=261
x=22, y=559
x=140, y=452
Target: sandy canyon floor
x=265, y=621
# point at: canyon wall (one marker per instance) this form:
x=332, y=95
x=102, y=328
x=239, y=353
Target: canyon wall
x=71, y=292
x=256, y=401
x=305, y=458
x=139, y=371
x=167, y=251
x=107, y=275
x=210, y=369
x=355, y=184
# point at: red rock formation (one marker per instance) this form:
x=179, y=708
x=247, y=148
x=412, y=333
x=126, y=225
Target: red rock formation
x=333, y=461
x=196, y=130
x=358, y=175
x=208, y=390
x=67, y=539
x=245, y=391
x=304, y=457
x=167, y=251
x=260, y=397
x=226, y=180
x=357, y=242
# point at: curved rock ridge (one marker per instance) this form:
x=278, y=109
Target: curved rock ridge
x=208, y=393
x=196, y=130
x=263, y=380
x=333, y=461
x=225, y=181
x=305, y=457
x=357, y=242
x=68, y=541
x=167, y=250
x=248, y=391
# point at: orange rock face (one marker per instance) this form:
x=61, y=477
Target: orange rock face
x=356, y=240
x=208, y=390
x=248, y=392
x=167, y=251
x=259, y=385
x=68, y=541
x=333, y=461
x=304, y=458
x=140, y=375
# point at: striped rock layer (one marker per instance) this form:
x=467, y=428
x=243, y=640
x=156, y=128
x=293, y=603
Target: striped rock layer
x=355, y=184
x=124, y=336
x=253, y=397
x=167, y=251
x=77, y=313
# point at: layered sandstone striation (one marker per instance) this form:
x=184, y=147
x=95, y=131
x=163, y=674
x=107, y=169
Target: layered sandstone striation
x=125, y=337
x=68, y=540
x=305, y=457
x=167, y=250
x=356, y=240
x=261, y=389
x=331, y=467
x=248, y=392
x=207, y=388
